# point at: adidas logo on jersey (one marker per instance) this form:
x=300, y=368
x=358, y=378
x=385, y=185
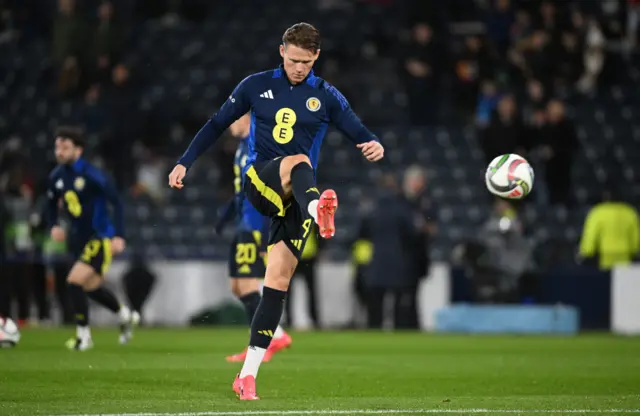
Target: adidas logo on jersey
x=267, y=94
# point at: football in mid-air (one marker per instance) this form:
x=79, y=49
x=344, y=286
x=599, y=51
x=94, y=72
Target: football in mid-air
x=9, y=333
x=509, y=176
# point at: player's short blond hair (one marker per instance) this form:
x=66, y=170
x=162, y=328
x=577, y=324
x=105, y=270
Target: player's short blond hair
x=302, y=35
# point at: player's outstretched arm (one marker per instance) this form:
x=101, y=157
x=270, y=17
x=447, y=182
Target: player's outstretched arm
x=348, y=122
x=235, y=107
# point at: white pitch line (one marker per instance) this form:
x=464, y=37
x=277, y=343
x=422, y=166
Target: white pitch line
x=372, y=412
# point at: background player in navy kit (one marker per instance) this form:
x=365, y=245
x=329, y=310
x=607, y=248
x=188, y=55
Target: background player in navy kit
x=291, y=109
x=83, y=192
x=246, y=259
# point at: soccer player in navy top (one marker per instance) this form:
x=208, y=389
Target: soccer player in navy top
x=83, y=191
x=291, y=109
x=246, y=259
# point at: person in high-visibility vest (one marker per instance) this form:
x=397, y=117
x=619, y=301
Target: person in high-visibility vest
x=611, y=233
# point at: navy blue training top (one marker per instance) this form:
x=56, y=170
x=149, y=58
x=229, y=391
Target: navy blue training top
x=286, y=119
x=85, y=192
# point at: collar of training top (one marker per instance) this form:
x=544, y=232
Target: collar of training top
x=310, y=79
x=78, y=165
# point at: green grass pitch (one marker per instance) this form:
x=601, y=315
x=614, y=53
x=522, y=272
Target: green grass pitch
x=183, y=372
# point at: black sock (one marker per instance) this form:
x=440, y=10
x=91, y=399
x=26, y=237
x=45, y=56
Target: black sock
x=106, y=298
x=304, y=185
x=251, y=302
x=267, y=317
x=79, y=304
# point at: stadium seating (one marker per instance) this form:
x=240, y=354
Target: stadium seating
x=194, y=68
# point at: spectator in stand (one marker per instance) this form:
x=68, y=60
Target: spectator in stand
x=487, y=102
x=594, y=55
x=549, y=21
x=532, y=58
x=534, y=120
x=93, y=113
x=499, y=24
x=7, y=29
x=578, y=24
x=558, y=144
x=107, y=44
x=505, y=133
x=521, y=28
x=69, y=36
x=123, y=125
x=534, y=109
x=12, y=156
x=150, y=176
x=633, y=21
x=568, y=59
x=471, y=66
x=419, y=74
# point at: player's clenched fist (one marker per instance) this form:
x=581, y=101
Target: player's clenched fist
x=176, y=176
x=117, y=245
x=372, y=150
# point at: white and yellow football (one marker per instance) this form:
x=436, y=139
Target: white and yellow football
x=9, y=333
x=509, y=176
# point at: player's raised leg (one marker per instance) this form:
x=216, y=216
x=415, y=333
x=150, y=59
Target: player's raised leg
x=298, y=179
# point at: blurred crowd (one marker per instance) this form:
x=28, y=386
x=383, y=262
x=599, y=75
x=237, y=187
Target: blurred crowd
x=505, y=65
x=508, y=67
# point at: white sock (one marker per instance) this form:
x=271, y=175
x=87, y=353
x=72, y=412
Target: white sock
x=279, y=332
x=313, y=210
x=83, y=332
x=125, y=314
x=252, y=362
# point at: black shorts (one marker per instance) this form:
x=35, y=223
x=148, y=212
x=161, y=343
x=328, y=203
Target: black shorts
x=289, y=223
x=96, y=253
x=245, y=258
